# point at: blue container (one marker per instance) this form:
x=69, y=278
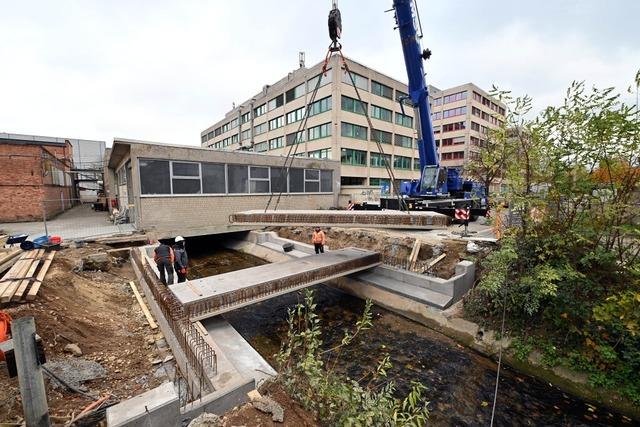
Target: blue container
x=39, y=241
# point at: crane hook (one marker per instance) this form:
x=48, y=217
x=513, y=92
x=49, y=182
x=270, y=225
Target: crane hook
x=335, y=27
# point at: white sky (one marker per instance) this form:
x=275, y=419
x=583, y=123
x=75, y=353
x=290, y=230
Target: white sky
x=164, y=71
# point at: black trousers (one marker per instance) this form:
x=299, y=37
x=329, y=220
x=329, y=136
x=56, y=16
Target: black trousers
x=165, y=265
x=319, y=248
x=181, y=277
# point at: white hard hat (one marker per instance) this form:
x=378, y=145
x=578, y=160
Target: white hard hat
x=179, y=239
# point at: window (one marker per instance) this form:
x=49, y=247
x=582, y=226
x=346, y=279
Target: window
x=276, y=102
x=477, y=96
x=326, y=79
x=259, y=111
x=353, y=157
x=295, y=115
x=234, y=138
x=295, y=138
x=476, y=111
x=377, y=160
x=258, y=179
x=401, y=162
x=404, y=120
x=238, y=178
x=404, y=141
x=453, y=141
x=245, y=134
x=378, y=182
x=360, y=81
x=353, y=105
x=381, y=90
x=276, y=123
x=325, y=153
x=245, y=117
x=226, y=127
x=203, y=138
x=185, y=178
x=353, y=131
x=311, y=180
x=213, y=178
x=296, y=180
x=381, y=136
x=475, y=126
x=352, y=180
x=261, y=147
x=436, y=129
x=459, y=96
x=326, y=180
x=403, y=97
x=154, y=177
x=294, y=93
x=321, y=131
x=381, y=113
x=260, y=129
x=234, y=123
x=436, y=116
x=416, y=164
x=450, y=127
x=460, y=111
x=276, y=143
x=278, y=180
x=453, y=156
x=217, y=145
x=217, y=132
x=320, y=106
x=478, y=142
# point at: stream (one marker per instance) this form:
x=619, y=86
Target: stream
x=460, y=382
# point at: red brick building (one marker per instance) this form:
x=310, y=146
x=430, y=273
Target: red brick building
x=34, y=177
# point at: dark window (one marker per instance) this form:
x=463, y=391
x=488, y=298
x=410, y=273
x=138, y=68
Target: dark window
x=154, y=177
x=186, y=186
x=213, y=178
x=296, y=180
x=381, y=136
x=278, y=180
x=326, y=181
x=238, y=179
x=185, y=169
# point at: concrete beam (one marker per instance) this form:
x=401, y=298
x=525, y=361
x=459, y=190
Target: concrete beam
x=157, y=407
x=365, y=219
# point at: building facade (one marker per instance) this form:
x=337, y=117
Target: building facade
x=35, y=177
x=337, y=127
x=189, y=191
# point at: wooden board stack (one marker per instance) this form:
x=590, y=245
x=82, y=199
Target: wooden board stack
x=22, y=282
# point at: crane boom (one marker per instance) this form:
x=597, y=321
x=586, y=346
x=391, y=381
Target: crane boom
x=418, y=91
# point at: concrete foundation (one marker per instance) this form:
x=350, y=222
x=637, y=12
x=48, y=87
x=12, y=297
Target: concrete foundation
x=157, y=407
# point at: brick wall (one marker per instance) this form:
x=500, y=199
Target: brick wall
x=22, y=186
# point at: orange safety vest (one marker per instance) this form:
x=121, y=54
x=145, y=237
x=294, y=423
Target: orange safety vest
x=318, y=237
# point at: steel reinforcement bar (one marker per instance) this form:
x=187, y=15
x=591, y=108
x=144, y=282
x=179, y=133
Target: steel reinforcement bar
x=356, y=218
x=199, y=353
x=228, y=300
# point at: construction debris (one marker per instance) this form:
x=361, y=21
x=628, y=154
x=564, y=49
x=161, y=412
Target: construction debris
x=269, y=406
x=206, y=420
x=367, y=219
x=75, y=371
x=74, y=349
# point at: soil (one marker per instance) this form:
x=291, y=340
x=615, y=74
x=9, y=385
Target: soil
x=294, y=414
x=392, y=246
x=97, y=311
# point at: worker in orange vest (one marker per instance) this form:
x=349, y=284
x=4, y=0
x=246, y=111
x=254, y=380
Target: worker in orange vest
x=319, y=239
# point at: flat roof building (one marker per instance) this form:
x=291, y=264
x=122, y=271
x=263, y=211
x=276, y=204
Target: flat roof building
x=337, y=127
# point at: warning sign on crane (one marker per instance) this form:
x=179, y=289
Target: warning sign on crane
x=462, y=214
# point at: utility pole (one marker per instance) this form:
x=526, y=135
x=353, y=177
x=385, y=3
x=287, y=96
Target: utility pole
x=32, y=391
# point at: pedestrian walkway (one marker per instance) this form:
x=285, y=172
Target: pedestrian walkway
x=80, y=222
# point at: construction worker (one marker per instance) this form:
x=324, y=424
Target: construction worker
x=181, y=263
x=319, y=239
x=164, y=258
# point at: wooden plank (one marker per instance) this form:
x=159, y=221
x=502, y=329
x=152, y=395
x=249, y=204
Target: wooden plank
x=9, y=254
x=145, y=310
x=31, y=295
x=17, y=296
x=9, y=262
x=13, y=285
x=434, y=262
x=16, y=267
x=414, y=254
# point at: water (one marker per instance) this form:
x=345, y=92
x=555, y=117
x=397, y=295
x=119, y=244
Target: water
x=460, y=382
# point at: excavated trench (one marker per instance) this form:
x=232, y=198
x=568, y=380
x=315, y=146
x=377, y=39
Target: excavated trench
x=460, y=381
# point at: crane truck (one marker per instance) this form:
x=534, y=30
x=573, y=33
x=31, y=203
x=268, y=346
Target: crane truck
x=439, y=188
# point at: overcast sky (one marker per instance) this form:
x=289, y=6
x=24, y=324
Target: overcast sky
x=165, y=70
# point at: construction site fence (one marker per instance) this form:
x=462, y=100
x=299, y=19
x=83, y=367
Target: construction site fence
x=200, y=355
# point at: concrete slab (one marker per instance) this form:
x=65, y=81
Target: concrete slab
x=209, y=296
x=416, y=293
x=157, y=407
x=366, y=219
x=238, y=351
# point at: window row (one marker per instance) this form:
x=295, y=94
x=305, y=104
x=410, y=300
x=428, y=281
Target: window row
x=453, y=156
x=353, y=157
x=486, y=116
x=450, y=127
x=164, y=177
x=460, y=111
x=487, y=102
x=454, y=97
